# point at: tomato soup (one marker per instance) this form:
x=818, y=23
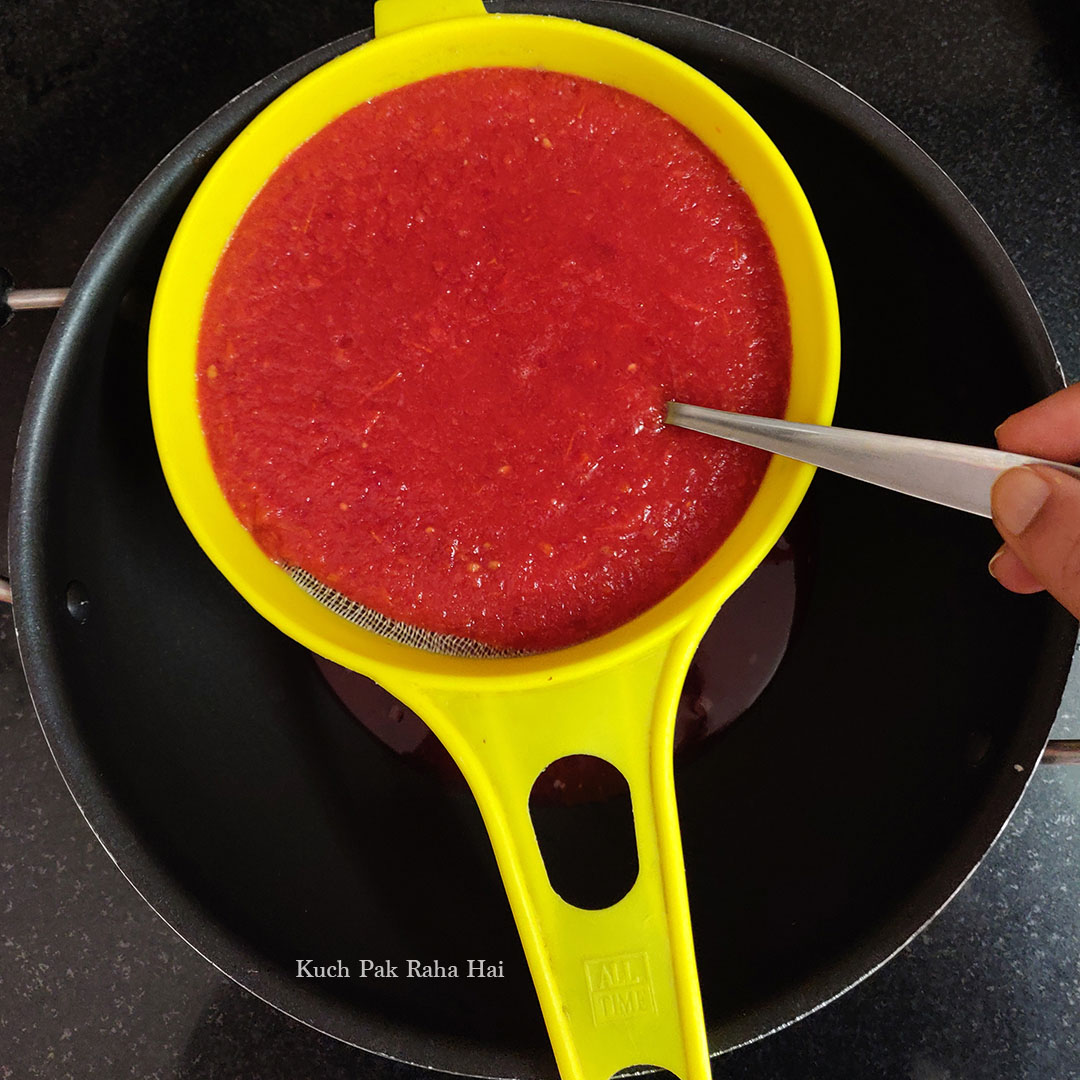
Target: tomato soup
x=434, y=356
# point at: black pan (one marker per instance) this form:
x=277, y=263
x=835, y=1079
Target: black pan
x=822, y=829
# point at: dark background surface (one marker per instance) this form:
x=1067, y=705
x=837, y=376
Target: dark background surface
x=91, y=97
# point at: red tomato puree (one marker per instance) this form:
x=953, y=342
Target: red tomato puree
x=435, y=354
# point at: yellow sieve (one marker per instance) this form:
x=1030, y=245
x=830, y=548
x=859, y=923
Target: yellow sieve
x=618, y=987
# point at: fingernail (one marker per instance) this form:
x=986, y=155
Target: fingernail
x=990, y=566
x=1018, y=496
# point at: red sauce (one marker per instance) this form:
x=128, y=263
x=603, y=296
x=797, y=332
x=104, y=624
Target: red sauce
x=434, y=356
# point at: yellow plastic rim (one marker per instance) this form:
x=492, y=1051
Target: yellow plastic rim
x=404, y=52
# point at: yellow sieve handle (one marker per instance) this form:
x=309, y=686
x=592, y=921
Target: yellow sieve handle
x=618, y=987
x=392, y=16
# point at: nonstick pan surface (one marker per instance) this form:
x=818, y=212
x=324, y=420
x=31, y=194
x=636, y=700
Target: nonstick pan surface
x=821, y=830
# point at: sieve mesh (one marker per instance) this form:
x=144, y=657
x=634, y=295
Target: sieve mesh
x=369, y=619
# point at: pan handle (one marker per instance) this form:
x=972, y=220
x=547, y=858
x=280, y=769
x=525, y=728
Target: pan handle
x=1061, y=752
x=12, y=299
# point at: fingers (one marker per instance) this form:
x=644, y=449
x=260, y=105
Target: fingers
x=1037, y=511
x=1049, y=429
x=1007, y=569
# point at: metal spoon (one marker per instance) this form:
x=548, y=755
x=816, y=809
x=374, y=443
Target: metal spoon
x=947, y=473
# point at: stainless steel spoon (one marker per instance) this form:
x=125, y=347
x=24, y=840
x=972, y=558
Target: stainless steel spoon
x=947, y=473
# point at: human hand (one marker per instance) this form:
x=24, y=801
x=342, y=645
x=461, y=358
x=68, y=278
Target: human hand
x=1036, y=507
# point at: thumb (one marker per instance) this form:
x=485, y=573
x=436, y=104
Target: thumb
x=1037, y=511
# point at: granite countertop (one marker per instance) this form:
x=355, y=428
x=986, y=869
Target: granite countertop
x=93, y=984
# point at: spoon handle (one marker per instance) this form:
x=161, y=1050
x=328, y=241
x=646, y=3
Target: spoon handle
x=947, y=473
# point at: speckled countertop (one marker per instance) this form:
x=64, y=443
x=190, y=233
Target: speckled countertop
x=91, y=983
